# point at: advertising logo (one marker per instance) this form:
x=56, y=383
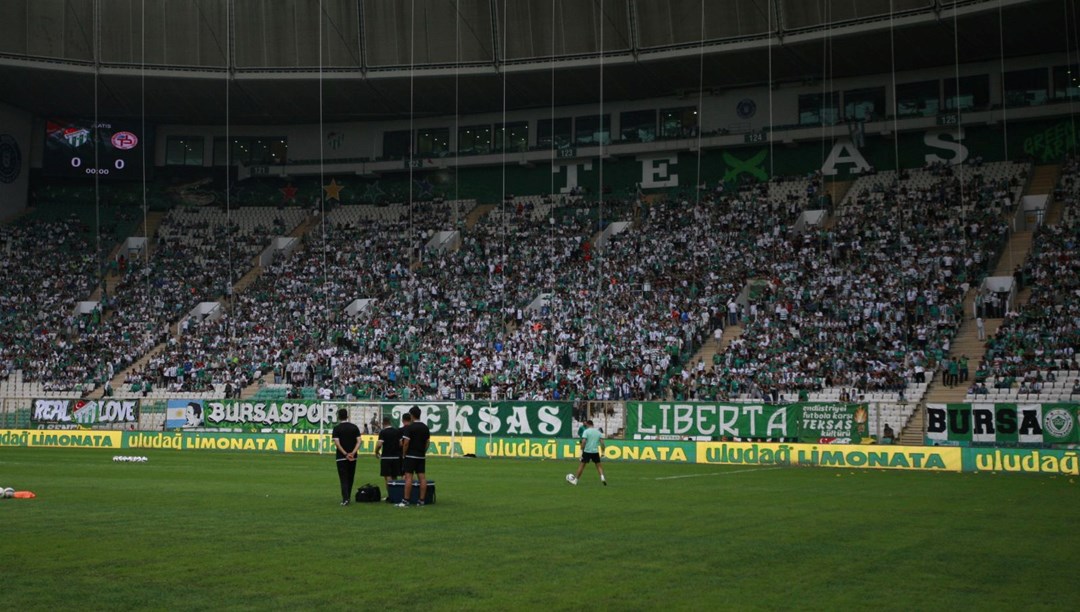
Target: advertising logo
x=1058, y=422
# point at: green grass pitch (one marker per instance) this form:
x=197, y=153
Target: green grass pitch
x=250, y=531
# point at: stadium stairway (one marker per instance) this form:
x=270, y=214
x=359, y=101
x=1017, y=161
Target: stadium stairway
x=912, y=433
x=1014, y=254
x=967, y=340
x=477, y=213
x=1043, y=179
x=712, y=347
x=117, y=381
x=837, y=191
x=305, y=226
x=257, y=385
x=300, y=231
x=153, y=220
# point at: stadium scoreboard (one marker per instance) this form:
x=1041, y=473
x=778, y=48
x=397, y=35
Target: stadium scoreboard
x=70, y=149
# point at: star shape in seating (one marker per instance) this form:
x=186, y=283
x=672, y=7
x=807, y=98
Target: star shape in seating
x=288, y=192
x=333, y=190
x=373, y=192
x=424, y=189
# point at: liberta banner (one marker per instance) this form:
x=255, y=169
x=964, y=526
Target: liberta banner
x=533, y=419
x=75, y=414
x=1002, y=423
x=817, y=423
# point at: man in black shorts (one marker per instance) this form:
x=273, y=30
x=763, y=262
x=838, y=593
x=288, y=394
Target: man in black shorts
x=388, y=449
x=415, y=436
x=346, y=444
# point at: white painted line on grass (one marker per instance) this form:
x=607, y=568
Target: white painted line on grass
x=718, y=473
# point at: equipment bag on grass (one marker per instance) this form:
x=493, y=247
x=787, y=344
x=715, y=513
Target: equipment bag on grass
x=368, y=493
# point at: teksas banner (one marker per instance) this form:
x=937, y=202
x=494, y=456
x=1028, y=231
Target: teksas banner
x=815, y=423
x=962, y=424
x=833, y=423
x=75, y=414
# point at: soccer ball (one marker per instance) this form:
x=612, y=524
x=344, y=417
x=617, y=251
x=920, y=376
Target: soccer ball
x=571, y=479
x=9, y=492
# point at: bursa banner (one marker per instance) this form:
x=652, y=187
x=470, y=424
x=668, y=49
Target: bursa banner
x=1002, y=423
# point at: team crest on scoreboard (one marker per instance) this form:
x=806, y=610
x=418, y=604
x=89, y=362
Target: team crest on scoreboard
x=124, y=140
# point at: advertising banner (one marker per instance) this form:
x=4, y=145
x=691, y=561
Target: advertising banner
x=614, y=450
x=1022, y=460
x=937, y=459
x=188, y=440
x=814, y=423
x=840, y=455
x=61, y=439
x=438, y=446
x=509, y=418
x=832, y=423
x=657, y=419
x=1002, y=423
x=75, y=414
x=248, y=415
x=534, y=419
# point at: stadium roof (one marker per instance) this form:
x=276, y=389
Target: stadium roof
x=924, y=37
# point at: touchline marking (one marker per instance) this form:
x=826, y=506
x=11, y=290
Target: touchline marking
x=718, y=473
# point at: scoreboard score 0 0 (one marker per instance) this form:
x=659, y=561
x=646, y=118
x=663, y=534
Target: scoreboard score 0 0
x=107, y=149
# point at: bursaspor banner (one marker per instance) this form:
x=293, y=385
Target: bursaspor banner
x=529, y=419
x=808, y=422
x=1001, y=423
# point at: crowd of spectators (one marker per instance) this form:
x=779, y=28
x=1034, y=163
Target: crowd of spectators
x=47, y=268
x=1043, y=335
x=529, y=307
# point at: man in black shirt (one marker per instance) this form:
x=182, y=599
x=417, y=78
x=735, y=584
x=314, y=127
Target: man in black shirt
x=415, y=436
x=347, y=443
x=388, y=448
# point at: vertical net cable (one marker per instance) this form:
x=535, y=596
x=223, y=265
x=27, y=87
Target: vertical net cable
x=412, y=114
x=457, y=110
x=228, y=162
x=826, y=95
x=1072, y=68
x=502, y=148
x=551, y=215
x=600, y=159
x=700, y=106
x=772, y=167
x=142, y=150
x=959, y=127
x=325, y=318
x=98, y=257
x=1004, y=103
